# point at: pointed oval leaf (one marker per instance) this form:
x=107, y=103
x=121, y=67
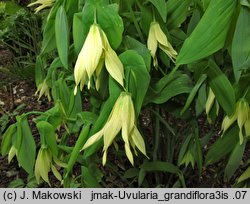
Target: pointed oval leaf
x=210, y=34
x=62, y=35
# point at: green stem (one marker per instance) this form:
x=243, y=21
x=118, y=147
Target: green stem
x=95, y=16
x=162, y=120
x=246, y=92
x=157, y=142
x=157, y=134
x=34, y=113
x=137, y=27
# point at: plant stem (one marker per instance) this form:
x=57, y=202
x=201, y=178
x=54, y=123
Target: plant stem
x=34, y=113
x=162, y=120
x=157, y=134
x=137, y=27
x=157, y=141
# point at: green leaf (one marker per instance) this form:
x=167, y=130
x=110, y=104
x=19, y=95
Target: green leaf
x=198, y=152
x=111, y=23
x=47, y=132
x=223, y=146
x=62, y=35
x=107, y=18
x=201, y=100
x=160, y=5
x=184, y=148
x=39, y=72
x=78, y=31
x=240, y=45
x=194, y=92
x=193, y=21
x=177, y=11
x=11, y=7
x=135, y=73
x=210, y=34
x=61, y=92
x=133, y=44
x=221, y=87
x=78, y=146
x=89, y=180
x=245, y=175
x=26, y=152
x=205, y=4
x=54, y=116
x=71, y=7
x=168, y=87
x=87, y=117
x=131, y=173
x=234, y=160
x=49, y=40
x=159, y=166
x=7, y=139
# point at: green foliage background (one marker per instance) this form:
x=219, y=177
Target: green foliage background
x=211, y=38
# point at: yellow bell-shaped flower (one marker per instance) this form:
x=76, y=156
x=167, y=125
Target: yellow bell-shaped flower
x=43, y=4
x=96, y=52
x=211, y=100
x=241, y=114
x=121, y=118
x=157, y=38
x=43, y=89
x=45, y=163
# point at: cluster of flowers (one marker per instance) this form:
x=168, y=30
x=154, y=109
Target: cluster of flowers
x=95, y=53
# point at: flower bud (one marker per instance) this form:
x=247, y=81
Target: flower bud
x=243, y=109
x=209, y=104
x=43, y=89
x=156, y=38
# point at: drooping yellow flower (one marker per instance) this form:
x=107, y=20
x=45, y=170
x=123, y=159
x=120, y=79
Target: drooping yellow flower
x=43, y=89
x=157, y=38
x=121, y=118
x=241, y=114
x=211, y=100
x=96, y=52
x=44, y=4
x=44, y=164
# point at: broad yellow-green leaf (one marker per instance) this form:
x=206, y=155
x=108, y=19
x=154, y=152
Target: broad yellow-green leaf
x=210, y=34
